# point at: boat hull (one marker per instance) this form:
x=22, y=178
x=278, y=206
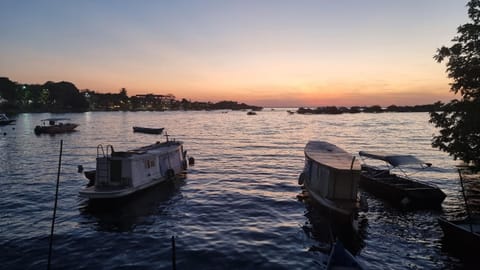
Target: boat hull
x=459, y=237
x=55, y=129
x=6, y=122
x=330, y=178
x=103, y=193
x=148, y=130
x=401, y=191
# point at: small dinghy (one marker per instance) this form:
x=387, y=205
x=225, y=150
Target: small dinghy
x=148, y=130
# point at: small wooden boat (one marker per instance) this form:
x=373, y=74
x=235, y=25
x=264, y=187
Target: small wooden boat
x=54, y=126
x=331, y=178
x=4, y=120
x=120, y=174
x=462, y=235
x=341, y=258
x=399, y=190
x=148, y=130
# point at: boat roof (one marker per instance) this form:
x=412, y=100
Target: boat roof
x=156, y=147
x=393, y=159
x=331, y=155
x=55, y=119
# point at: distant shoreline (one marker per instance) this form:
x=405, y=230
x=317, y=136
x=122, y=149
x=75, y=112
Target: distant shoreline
x=64, y=97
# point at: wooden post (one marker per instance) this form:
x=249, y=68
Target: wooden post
x=174, y=263
x=55, y=205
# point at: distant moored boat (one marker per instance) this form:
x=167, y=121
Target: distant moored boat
x=148, y=130
x=4, y=120
x=54, y=126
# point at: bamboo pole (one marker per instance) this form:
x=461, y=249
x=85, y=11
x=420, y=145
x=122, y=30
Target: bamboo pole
x=55, y=205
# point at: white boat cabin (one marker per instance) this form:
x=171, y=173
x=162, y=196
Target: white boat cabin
x=122, y=173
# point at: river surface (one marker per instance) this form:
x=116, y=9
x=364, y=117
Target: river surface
x=237, y=207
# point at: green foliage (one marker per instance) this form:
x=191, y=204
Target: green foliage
x=459, y=120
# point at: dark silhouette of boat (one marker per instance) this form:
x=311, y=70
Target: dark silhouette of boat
x=54, y=126
x=462, y=235
x=399, y=190
x=148, y=130
x=4, y=120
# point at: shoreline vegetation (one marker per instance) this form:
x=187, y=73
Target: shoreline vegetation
x=64, y=96
x=60, y=97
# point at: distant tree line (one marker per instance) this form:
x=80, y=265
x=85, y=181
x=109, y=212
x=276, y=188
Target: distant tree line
x=66, y=97
x=371, y=109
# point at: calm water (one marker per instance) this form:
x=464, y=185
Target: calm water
x=237, y=207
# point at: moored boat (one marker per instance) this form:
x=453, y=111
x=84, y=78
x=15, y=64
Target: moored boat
x=148, y=130
x=462, y=235
x=401, y=191
x=119, y=174
x=330, y=177
x=54, y=126
x=4, y=120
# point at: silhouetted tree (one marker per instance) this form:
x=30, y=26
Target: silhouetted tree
x=459, y=121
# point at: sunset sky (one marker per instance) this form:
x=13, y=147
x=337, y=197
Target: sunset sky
x=264, y=52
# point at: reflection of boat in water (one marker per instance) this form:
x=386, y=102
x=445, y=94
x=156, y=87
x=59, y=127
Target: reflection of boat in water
x=325, y=229
x=54, y=126
x=400, y=190
x=120, y=174
x=330, y=178
x=124, y=214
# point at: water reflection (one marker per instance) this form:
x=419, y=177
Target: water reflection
x=123, y=215
x=321, y=227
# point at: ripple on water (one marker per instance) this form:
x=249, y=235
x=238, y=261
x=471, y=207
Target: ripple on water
x=237, y=207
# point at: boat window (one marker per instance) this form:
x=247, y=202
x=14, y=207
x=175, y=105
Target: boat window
x=149, y=163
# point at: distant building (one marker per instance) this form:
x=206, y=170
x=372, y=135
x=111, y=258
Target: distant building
x=155, y=102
